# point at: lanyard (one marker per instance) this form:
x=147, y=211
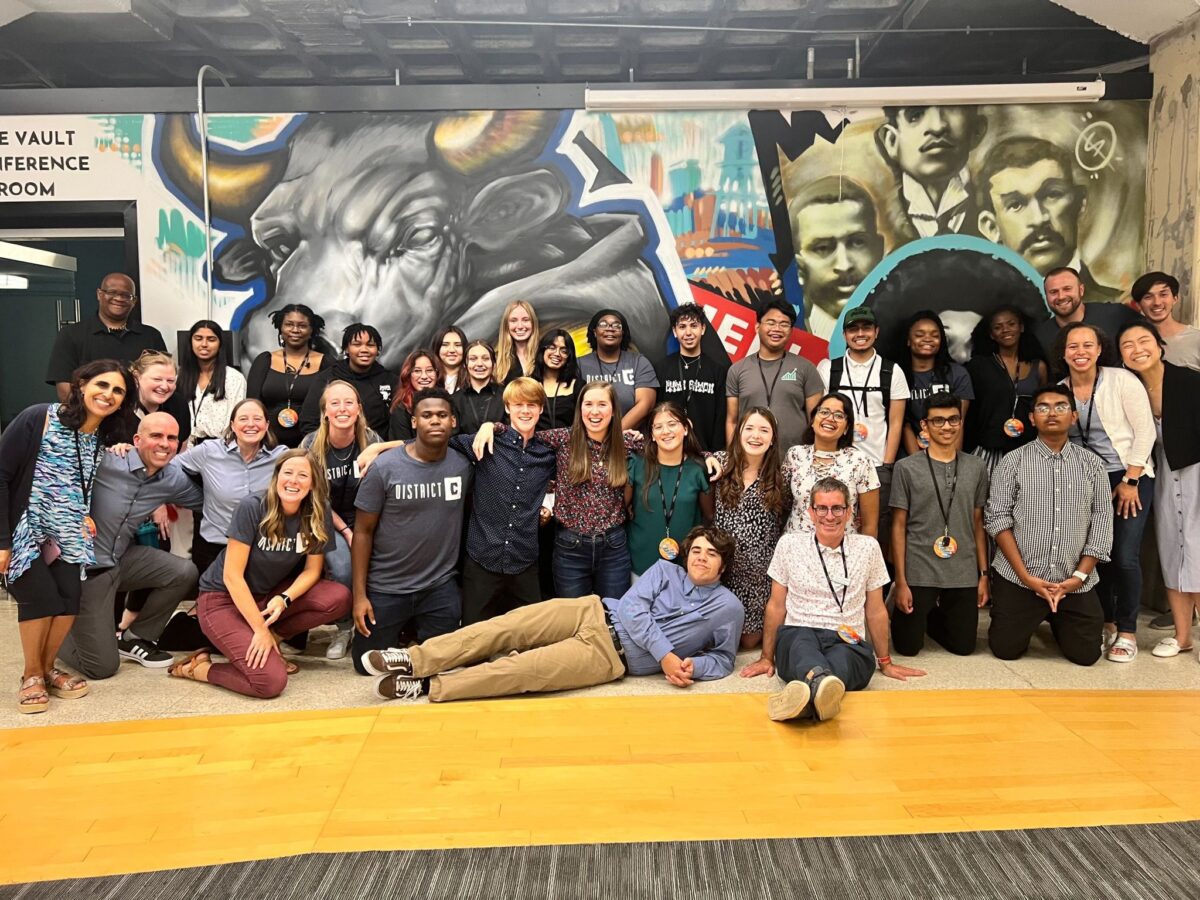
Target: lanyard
x=295, y=373
x=616, y=367
x=841, y=604
x=669, y=511
x=951, y=485
x=196, y=406
x=85, y=483
x=1085, y=428
x=687, y=385
x=475, y=409
x=770, y=391
x=858, y=395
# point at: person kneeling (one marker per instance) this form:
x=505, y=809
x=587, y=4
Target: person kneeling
x=684, y=624
x=824, y=588
x=251, y=597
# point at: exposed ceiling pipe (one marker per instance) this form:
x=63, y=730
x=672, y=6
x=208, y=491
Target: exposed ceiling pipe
x=203, y=125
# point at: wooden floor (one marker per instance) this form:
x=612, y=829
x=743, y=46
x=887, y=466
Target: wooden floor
x=134, y=796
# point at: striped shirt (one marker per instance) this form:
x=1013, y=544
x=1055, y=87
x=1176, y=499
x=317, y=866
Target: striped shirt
x=1058, y=507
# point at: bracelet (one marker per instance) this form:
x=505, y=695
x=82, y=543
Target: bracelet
x=882, y=661
x=287, y=601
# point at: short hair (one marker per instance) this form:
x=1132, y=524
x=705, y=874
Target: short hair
x=591, y=329
x=1062, y=270
x=1019, y=153
x=1142, y=286
x=832, y=189
x=269, y=440
x=1054, y=389
x=824, y=486
x=315, y=322
x=941, y=400
x=433, y=393
x=524, y=390
x=776, y=304
x=355, y=329
x=722, y=542
x=693, y=311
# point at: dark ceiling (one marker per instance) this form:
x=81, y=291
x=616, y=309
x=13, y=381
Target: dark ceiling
x=305, y=42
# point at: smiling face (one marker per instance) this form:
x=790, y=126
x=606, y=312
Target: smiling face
x=156, y=385
x=479, y=364
x=294, y=482
x=689, y=332
x=942, y=424
x=524, y=415
x=774, y=331
x=555, y=355
x=704, y=563
x=609, y=333
x=451, y=350
x=342, y=408
x=596, y=411
x=1006, y=330
x=1156, y=304
x=157, y=440
x=1064, y=294
x=103, y=395
x=206, y=344
x=424, y=374
x=249, y=423
x=756, y=435
x=433, y=420
x=829, y=421
x=1081, y=350
x=362, y=351
x=296, y=331
x=828, y=512
x=667, y=432
x=116, y=297
x=924, y=339
x=860, y=336
x=1139, y=350
x=520, y=325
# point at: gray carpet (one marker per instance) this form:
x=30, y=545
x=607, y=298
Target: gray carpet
x=1126, y=862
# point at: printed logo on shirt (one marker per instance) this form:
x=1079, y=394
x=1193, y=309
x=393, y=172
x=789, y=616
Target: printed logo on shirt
x=625, y=376
x=675, y=386
x=789, y=376
x=385, y=391
x=453, y=486
x=287, y=545
x=448, y=489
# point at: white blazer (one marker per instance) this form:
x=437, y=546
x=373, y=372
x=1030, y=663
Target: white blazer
x=1124, y=410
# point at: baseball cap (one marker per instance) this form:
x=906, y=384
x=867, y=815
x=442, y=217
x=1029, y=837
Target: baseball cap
x=859, y=314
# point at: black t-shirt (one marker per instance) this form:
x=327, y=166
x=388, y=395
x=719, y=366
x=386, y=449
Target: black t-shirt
x=472, y=408
x=270, y=562
x=90, y=339
x=343, y=475
x=697, y=385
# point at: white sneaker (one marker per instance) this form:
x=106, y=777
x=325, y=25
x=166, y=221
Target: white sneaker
x=339, y=647
x=1169, y=647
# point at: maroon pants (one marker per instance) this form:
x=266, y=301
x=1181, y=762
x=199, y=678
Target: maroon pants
x=323, y=603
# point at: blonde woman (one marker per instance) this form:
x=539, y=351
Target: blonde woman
x=156, y=376
x=266, y=585
x=516, y=345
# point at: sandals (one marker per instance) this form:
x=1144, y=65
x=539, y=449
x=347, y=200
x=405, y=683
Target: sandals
x=32, y=698
x=186, y=667
x=292, y=668
x=1123, y=650
x=64, y=685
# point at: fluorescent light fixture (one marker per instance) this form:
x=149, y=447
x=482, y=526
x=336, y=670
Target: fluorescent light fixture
x=643, y=100
x=13, y=282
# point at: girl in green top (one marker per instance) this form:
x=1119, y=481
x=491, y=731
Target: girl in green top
x=667, y=492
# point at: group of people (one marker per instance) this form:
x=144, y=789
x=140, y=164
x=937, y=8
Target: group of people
x=698, y=508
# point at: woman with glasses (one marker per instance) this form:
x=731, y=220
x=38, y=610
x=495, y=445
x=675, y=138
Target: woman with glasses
x=282, y=378
x=208, y=383
x=1116, y=423
x=1172, y=391
x=516, y=342
x=631, y=374
x=557, y=370
x=827, y=451
x=752, y=501
x=421, y=370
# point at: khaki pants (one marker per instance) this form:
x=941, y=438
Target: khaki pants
x=552, y=646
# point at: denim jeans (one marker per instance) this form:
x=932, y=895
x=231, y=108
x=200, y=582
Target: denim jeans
x=435, y=611
x=337, y=568
x=591, y=564
x=1120, y=586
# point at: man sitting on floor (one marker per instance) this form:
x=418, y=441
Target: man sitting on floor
x=825, y=588
x=684, y=624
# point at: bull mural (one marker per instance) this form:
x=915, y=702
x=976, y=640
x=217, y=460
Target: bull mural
x=411, y=221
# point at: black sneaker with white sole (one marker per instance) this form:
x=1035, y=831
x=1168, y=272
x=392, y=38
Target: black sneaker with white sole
x=401, y=687
x=144, y=653
x=393, y=661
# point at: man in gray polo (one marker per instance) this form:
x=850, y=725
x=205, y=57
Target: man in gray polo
x=126, y=491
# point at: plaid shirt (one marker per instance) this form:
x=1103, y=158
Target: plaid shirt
x=1058, y=507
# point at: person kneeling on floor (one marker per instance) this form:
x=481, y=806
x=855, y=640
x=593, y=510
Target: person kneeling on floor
x=684, y=624
x=825, y=587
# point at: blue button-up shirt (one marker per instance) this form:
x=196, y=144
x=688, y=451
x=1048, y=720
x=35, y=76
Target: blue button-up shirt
x=510, y=483
x=666, y=612
x=123, y=496
x=228, y=479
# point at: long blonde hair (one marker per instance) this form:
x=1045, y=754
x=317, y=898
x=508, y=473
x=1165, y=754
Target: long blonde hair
x=579, y=469
x=313, y=508
x=320, y=444
x=505, y=348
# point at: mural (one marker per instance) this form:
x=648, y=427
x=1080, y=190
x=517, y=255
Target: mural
x=412, y=220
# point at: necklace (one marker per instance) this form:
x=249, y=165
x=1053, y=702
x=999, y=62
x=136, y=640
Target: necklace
x=686, y=380
x=288, y=417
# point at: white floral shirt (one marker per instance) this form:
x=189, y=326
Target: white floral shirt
x=796, y=566
x=849, y=465
x=210, y=417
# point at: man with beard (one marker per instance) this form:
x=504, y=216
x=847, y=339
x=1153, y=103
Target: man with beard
x=361, y=346
x=837, y=244
x=1030, y=203
x=927, y=147
x=1065, y=293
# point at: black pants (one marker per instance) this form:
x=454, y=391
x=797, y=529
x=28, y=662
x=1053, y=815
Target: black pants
x=1018, y=611
x=949, y=615
x=487, y=594
x=799, y=649
x=204, y=553
x=44, y=591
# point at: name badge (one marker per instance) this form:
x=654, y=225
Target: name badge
x=839, y=580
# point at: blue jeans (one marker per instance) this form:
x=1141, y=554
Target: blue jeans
x=591, y=564
x=1120, y=585
x=337, y=568
x=435, y=610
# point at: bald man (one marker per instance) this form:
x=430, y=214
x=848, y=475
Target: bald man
x=126, y=491
x=111, y=334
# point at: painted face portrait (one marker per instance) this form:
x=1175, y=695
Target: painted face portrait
x=838, y=246
x=931, y=143
x=1035, y=211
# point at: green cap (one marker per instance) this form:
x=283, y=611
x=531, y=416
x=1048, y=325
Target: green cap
x=859, y=314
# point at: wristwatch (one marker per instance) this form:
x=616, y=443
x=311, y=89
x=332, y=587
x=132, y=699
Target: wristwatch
x=1132, y=482
x=287, y=601
x=1082, y=576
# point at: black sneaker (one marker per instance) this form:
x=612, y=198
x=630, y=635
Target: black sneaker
x=400, y=687
x=1166, y=622
x=144, y=653
x=393, y=661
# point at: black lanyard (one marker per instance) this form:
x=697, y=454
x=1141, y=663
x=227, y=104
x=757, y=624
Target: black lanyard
x=770, y=391
x=951, y=486
x=669, y=511
x=860, y=403
x=616, y=367
x=1085, y=428
x=85, y=483
x=480, y=415
x=686, y=385
x=841, y=604
x=296, y=373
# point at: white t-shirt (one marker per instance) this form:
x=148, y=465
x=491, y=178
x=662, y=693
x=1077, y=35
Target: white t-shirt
x=809, y=602
x=860, y=375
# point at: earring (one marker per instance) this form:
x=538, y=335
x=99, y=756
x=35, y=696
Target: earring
x=279, y=337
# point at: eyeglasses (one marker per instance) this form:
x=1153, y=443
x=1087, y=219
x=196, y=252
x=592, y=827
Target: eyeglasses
x=117, y=295
x=834, y=414
x=1060, y=408
x=943, y=421
x=836, y=511
x=609, y=326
